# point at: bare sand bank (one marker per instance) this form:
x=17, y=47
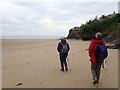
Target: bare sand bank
x=35, y=64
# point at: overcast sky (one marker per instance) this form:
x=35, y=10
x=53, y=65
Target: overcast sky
x=50, y=17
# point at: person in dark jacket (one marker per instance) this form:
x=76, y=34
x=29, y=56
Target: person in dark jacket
x=62, y=55
x=95, y=64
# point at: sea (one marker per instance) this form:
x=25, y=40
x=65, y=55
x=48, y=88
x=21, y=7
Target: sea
x=30, y=37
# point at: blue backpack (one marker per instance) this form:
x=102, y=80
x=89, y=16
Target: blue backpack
x=101, y=52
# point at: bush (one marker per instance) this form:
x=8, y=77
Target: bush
x=106, y=26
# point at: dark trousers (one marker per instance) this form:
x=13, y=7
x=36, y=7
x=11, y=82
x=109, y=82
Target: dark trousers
x=63, y=62
x=95, y=69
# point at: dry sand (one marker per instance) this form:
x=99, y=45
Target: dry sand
x=35, y=64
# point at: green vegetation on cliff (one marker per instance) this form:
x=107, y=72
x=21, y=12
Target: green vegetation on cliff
x=108, y=25
x=105, y=24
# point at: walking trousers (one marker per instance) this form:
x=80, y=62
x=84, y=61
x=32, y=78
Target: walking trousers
x=95, y=69
x=63, y=60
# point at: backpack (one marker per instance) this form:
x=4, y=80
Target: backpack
x=101, y=52
x=64, y=49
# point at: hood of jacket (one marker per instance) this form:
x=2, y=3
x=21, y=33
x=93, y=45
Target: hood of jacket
x=99, y=41
x=63, y=41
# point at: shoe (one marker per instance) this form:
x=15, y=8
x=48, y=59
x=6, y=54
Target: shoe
x=95, y=82
x=66, y=69
x=62, y=70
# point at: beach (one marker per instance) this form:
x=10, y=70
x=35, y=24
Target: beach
x=34, y=63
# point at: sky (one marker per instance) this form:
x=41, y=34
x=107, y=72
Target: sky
x=52, y=18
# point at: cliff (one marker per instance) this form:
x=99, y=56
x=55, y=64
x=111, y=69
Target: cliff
x=107, y=25
x=112, y=40
x=73, y=33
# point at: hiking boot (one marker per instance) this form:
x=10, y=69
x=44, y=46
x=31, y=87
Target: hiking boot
x=66, y=69
x=62, y=70
x=95, y=82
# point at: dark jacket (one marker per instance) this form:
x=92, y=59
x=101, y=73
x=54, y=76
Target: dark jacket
x=92, y=48
x=60, y=46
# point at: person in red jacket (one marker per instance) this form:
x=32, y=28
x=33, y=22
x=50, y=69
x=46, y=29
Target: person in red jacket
x=95, y=64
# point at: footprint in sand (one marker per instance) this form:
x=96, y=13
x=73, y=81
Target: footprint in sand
x=46, y=51
x=28, y=63
x=41, y=83
x=11, y=73
x=19, y=48
x=84, y=80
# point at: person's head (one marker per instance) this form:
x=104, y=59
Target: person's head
x=98, y=35
x=63, y=40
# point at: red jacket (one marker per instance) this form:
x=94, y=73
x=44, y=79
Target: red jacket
x=92, y=48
